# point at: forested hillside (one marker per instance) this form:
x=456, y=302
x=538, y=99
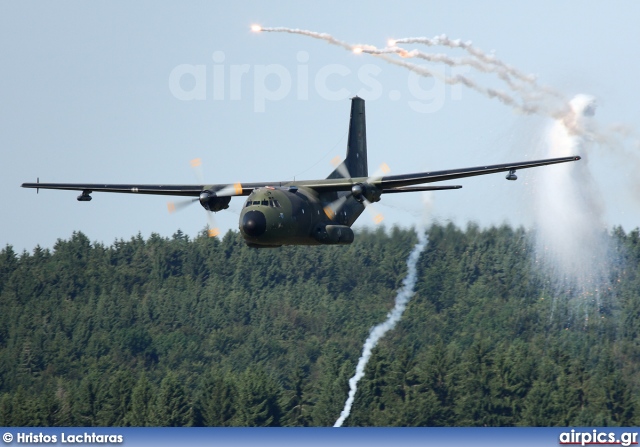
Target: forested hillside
x=180, y=332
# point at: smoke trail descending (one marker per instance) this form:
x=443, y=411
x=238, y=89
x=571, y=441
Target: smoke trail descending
x=377, y=332
x=571, y=239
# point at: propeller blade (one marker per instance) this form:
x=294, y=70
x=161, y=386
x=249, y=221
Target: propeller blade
x=376, y=216
x=340, y=167
x=179, y=205
x=332, y=209
x=230, y=190
x=380, y=172
x=213, y=229
x=196, y=164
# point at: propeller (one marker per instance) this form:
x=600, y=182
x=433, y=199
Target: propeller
x=206, y=197
x=358, y=191
x=179, y=205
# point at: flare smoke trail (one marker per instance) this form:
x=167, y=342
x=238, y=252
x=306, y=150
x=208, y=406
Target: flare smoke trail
x=534, y=98
x=322, y=36
x=460, y=79
x=488, y=59
x=377, y=332
x=482, y=62
x=503, y=71
x=571, y=239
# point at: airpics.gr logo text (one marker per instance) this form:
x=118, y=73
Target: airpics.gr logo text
x=595, y=437
x=275, y=82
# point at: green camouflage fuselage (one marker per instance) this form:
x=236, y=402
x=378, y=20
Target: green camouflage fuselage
x=272, y=217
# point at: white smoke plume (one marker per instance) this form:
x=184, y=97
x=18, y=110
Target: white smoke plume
x=571, y=232
x=377, y=332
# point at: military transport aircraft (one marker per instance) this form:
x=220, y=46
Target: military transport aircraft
x=308, y=212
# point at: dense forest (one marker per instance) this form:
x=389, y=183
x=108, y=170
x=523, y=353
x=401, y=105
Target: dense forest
x=207, y=332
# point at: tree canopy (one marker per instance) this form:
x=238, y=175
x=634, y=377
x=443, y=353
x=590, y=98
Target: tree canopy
x=208, y=332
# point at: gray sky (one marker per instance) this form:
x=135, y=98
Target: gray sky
x=89, y=94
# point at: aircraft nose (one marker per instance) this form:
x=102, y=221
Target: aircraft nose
x=254, y=223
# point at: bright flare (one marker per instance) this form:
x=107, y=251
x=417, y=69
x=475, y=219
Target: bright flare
x=256, y=28
x=357, y=50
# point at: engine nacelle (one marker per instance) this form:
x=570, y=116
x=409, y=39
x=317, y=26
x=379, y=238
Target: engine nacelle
x=334, y=234
x=211, y=202
x=361, y=191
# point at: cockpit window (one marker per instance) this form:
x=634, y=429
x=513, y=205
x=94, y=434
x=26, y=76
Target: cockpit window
x=276, y=203
x=256, y=202
x=265, y=202
x=248, y=203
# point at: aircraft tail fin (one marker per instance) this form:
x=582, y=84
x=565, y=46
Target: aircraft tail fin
x=356, y=159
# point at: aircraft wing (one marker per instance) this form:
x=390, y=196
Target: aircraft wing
x=403, y=180
x=389, y=184
x=419, y=188
x=236, y=189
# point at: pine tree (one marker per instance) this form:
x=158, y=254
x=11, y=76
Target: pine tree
x=296, y=404
x=139, y=414
x=171, y=407
x=217, y=400
x=116, y=402
x=88, y=400
x=331, y=389
x=258, y=400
